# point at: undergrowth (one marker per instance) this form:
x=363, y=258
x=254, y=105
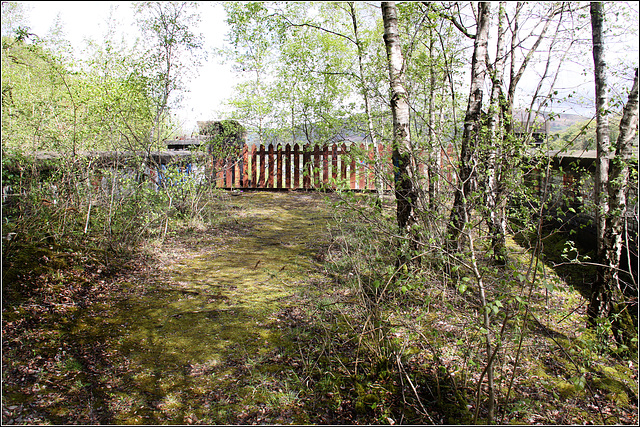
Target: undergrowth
x=371, y=342
x=420, y=343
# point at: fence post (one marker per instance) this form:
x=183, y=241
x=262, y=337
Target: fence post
x=316, y=167
x=307, y=168
x=279, y=167
x=271, y=168
x=362, y=169
x=254, y=170
x=334, y=165
x=261, y=155
x=352, y=172
x=287, y=166
x=245, y=166
x=296, y=166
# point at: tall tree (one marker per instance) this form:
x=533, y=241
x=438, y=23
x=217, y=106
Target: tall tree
x=602, y=121
x=599, y=305
x=254, y=37
x=615, y=224
x=611, y=182
x=173, y=49
x=496, y=210
x=406, y=194
x=366, y=97
x=467, y=180
x=341, y=35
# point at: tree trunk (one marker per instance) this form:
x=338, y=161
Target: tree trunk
x=602, y=121
x=619, y=181
x=610, y=291
x=367, y=109
x=468, y=155
x=600, y=304
x=496, y=210
x=405, y=192
x=435, y=156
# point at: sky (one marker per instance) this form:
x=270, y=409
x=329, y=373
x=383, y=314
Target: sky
x=81, y=20
x=214, y=83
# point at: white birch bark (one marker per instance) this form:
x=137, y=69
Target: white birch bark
x=468, y=155
x=404, y=189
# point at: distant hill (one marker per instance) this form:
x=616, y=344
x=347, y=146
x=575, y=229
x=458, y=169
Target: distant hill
x=563, y=121
x=572, y=134
x=559, y=122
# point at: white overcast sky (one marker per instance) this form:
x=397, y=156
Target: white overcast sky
x=87, y=19
x=214, y=83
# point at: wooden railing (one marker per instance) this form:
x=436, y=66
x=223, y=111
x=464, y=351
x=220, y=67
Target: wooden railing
x=287, y=167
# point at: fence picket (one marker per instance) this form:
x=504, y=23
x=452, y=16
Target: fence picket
x=296, y=166
x=334, y=165
x=343, y=164
x=219, y=173
x=261, y=180
x=352, y=174
x=316, y=167
x=363, y=170
x=306, y=169
x=237, y=172
x=287, y=166
x=325, y=166
x=279, y=167
x=271, y=168
x=254, y=170
x=245, y=167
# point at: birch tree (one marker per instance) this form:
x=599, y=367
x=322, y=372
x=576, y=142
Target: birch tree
x=497, y=219
x=602, y=120
x=611, y=182
x=608, y=291
x=406, y=194
x=467, y=180
x=172, y=51
x=599, y=304
x=615, y=223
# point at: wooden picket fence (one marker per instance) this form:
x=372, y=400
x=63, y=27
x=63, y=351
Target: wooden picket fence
x=304, y=167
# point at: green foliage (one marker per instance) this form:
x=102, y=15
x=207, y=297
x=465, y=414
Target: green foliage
x=170, y=54
x=226, y=138
x=582, y=135
x=46, y=106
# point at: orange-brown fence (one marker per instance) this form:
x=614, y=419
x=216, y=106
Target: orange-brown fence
x=287, y=167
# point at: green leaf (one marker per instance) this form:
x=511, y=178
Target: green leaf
x=579, y=382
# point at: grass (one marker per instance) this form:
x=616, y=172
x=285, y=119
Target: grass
x=264, y=316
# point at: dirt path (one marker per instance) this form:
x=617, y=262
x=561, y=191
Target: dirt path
x=205, y=338
x=200, y=338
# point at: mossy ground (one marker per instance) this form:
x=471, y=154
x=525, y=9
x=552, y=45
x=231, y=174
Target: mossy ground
x=194, y=336
x=240, y=321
